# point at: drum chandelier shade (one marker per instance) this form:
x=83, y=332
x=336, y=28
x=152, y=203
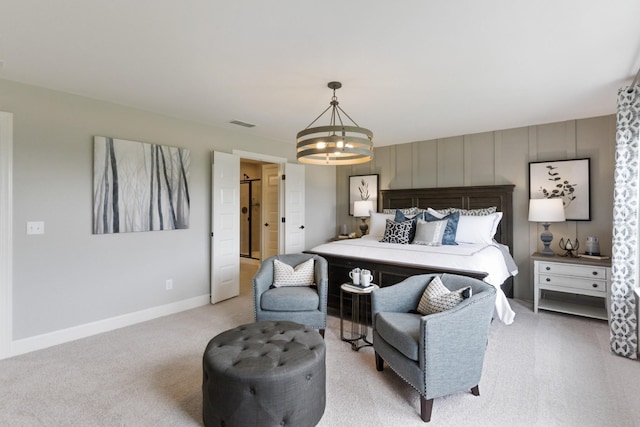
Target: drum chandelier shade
x=337, y=143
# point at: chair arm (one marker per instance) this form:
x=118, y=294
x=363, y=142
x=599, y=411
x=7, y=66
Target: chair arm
x=321, y=276
x=453, y=344
x=262, y=281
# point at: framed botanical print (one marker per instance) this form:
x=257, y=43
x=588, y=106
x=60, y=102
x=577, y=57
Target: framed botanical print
x=363, y=187
x=568, y=180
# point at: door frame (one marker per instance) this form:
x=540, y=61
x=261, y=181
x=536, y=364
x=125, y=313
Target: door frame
x=281, y=162
x=6, y=235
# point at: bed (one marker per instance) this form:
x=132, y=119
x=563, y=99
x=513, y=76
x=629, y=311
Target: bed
x=390, y=262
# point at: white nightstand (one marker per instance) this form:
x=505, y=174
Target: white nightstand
x=578, y=276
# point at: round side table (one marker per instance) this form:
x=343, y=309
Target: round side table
x=357, y=336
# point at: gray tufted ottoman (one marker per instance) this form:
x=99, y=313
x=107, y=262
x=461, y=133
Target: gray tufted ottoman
x=269, y=373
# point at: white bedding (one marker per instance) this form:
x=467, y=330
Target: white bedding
x=492, y=259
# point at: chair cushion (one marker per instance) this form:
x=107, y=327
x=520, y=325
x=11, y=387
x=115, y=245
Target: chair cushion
x=436, y=297
x=286, y=275
x=400, y=330
x=290, y=298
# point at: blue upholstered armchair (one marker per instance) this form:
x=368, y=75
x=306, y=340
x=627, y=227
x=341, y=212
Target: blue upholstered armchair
x=437, y=354
x=306, y=305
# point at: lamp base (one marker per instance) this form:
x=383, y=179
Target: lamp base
x=364, y=227
x=546, y=238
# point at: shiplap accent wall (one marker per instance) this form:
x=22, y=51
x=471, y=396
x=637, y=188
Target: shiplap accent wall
x=502, y=157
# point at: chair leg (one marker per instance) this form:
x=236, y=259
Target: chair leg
x=426, y=405
x=321, y=332
x=379, y=362
x=475, y=391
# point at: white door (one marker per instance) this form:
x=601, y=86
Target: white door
x=270, y=210
x=294, y=226
x=225, y=227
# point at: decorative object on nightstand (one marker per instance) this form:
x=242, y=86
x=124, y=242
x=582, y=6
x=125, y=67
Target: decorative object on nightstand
x=593, y=246
x=361, y=209
x=570, y=248
x=546, y=211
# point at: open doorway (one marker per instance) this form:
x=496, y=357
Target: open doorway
x=259, y=209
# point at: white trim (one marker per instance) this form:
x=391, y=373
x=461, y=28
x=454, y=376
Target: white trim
x=6, y=235
x=39, y=342
x=257, y=156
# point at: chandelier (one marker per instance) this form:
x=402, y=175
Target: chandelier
x=337, y=143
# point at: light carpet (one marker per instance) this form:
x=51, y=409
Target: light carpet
x=543, y=370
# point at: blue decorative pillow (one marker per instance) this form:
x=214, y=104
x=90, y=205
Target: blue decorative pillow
x=449, y=237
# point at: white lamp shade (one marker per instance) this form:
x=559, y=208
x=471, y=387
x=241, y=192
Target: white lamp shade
x=546, y=210
x=361, y=208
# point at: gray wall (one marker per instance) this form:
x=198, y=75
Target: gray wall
x=502, y=157
x=68, y=276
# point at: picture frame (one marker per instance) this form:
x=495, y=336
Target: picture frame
x=566, y=179
x=363, y=187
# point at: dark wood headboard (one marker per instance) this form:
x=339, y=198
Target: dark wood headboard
x=473, y=197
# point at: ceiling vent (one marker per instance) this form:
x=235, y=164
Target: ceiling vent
x=241, y=123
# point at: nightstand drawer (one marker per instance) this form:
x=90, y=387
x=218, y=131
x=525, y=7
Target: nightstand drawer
x=573, y=282
x=586, y=271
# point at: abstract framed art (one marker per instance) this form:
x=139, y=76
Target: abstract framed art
x=139, y=186
x=568, y=180
x=363, y=187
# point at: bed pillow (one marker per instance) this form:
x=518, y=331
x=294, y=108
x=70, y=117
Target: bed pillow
x=477, y=228
x=440, y=213
x=397, y=232
x=436, y=297
x=377, y=223
x=406, y=211
x=429, y=233
x=449, y=237
x=475, y=212
x=401, y=217
x=285, y=275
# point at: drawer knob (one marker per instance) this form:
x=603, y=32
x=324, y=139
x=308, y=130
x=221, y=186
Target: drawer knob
x=548, y=268
x=595, y=273
x=595, y=285
x=548, y=279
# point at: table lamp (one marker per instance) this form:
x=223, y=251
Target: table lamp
x=546, y=211
x=361, y=209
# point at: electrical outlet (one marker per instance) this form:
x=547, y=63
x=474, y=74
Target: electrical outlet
x=35, y=227
x=169, y=284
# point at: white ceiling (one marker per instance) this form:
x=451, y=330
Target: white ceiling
x=411, y=70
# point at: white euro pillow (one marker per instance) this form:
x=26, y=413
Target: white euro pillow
x=478, y=229
x=378, y=223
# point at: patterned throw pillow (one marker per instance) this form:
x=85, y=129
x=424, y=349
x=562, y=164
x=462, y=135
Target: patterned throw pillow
x=397, y=232
x=429, y=233
x=285, y=275
x=475, y=212
x=449, y=237
x=401, y=217
x=437, y=297
x=406, y=211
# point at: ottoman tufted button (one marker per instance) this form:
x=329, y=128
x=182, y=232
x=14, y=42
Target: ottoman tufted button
x=252, y=390
x=308, y=377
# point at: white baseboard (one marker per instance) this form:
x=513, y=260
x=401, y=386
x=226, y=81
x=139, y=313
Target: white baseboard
x=62, y=336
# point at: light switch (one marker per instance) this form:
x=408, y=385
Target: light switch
x=35, y=227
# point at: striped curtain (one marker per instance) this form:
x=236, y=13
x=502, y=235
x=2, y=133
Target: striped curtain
x=624, y=264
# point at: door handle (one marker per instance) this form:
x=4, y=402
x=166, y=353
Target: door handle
x=302, y=227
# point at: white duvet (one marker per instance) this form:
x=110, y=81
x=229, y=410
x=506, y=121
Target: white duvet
x=493, y=259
